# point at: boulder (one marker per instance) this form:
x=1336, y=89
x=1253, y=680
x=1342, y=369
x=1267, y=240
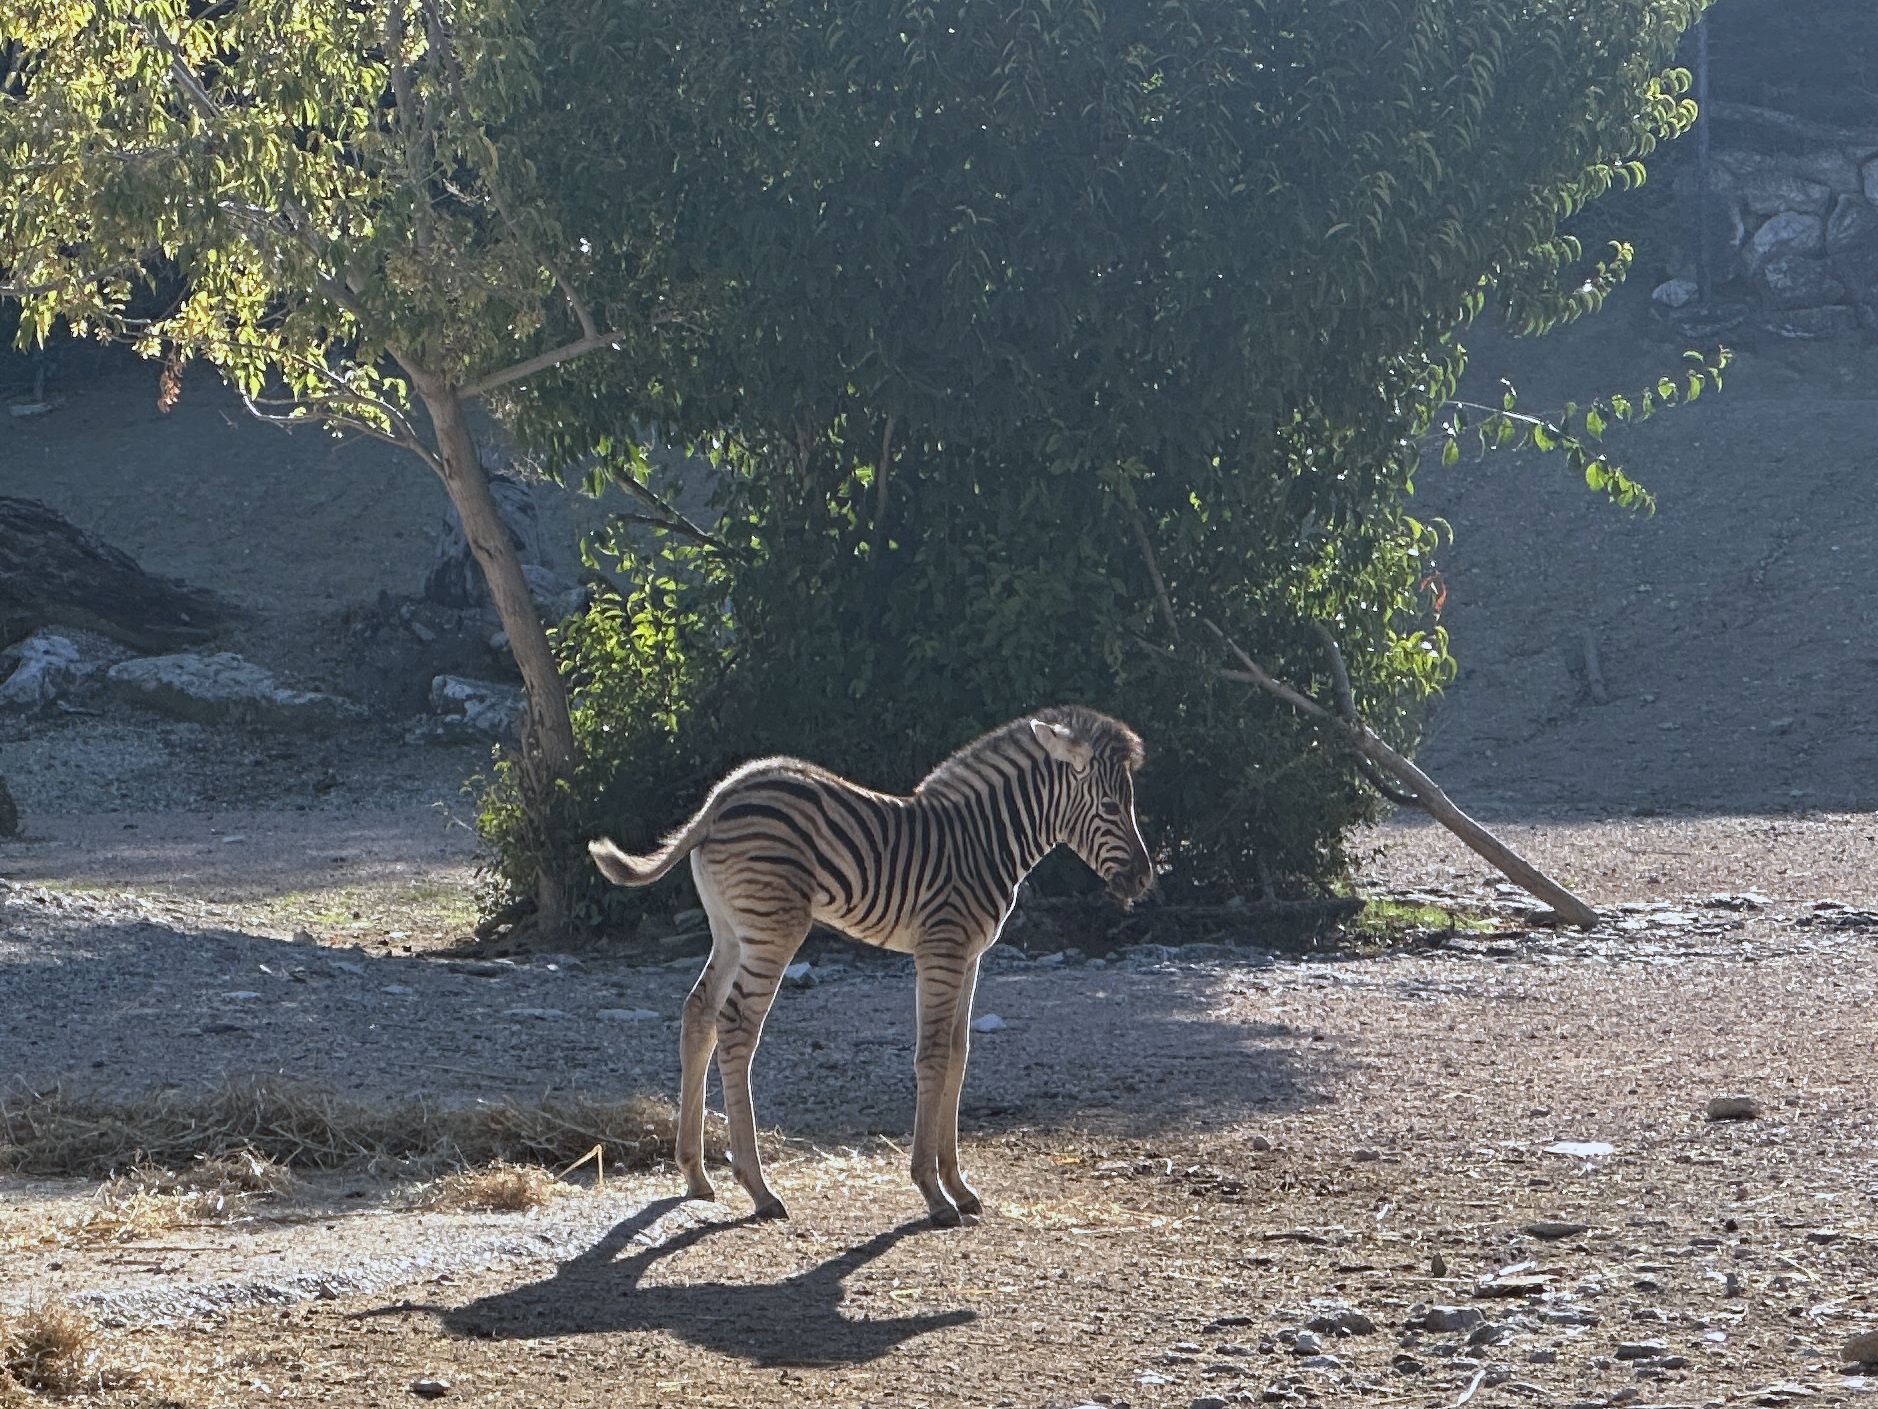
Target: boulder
x=483, y=707
x=1769, y=185
x=1676, y=293
x=1813, y=324
x=454, y=579
x=1788, y=234
x=226, y=689
x=1797, y=282
x=46, y=666
x=1853, y=222
x=556, y=597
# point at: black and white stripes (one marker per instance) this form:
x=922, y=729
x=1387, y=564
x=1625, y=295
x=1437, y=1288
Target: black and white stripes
x=781, y=844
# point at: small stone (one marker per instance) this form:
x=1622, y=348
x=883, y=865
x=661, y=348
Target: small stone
x=1552, y=1229
x=1543, y=1356
x=1206, y=1401
x=1640, y=1350
x=1862, y=1346
x=1408, y=1365
x=1260, y=1143
x=626, y=1015
x=1452, y=1318
x=1321, y=1362
x=800, y=975
x=988, y=1022
x=1307, y=1343
x=429, y=1388
x=1365, y=1155
x=1581, y=1149
x=1733, y=1108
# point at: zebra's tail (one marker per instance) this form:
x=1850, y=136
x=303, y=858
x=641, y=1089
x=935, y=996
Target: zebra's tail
x=625, y=869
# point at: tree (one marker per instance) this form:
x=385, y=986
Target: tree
x=324, y=201
x=1035, y=333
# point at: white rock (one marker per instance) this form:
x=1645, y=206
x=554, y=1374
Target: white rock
x=988, y=1022
x=799, y=975
x=48, y=666
x=1788, y=233
x=224, y=688
x=1581, y=1149
x=241, y=995
x=1676, y=293
x=484, y=706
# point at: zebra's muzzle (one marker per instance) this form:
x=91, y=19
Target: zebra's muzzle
x=1128, y=886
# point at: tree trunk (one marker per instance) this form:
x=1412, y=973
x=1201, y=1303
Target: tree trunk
x=547, y=753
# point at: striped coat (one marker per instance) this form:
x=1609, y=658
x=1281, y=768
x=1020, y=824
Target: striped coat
x=780, y=845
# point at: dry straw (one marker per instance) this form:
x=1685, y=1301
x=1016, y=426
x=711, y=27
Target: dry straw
x=295, y=1126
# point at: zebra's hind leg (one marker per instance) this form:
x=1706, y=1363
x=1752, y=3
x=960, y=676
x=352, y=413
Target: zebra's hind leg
x=942, y=972
x=953, y=1181
x=698, y=1036
x=739, y=1029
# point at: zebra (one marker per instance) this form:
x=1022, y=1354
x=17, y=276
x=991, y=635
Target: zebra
x=780, y=844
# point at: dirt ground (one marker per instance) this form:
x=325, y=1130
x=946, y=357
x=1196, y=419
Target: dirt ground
x=1212, y=1175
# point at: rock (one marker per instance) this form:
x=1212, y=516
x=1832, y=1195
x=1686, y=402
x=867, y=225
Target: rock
x=1552, y=1229
x=454, y=579
x=225, y=689
x=556, y=598
x=430, y=1388
x=1365, y=1155
x=1853, y=222
x=1836, y=320
x=1796, y=281
x=799, y=975
x=485, y=708
x=1341, y=1319
x=481, y=968
x=1452, y=1318
x=1733, y=1108
x=1862, y=1346
x=1542, y=1356
x=1788, y=234
x=1206, y=1401
x=9, y=812
x=989, y=1022
x=1581, y=1149
x=1407, y=1365
x=47, y=666
x=1767, y=185
x=1258, y=1142
x=1307, y=1343
x=1640, y=1350
x=626, y=1015
x=1676, y=293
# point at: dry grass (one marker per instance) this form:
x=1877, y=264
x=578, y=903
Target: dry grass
x=53, y=1349
x=500, y=1188
x=148, y=1200
x=284, y=1126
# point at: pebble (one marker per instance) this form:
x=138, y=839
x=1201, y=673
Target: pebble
x=429, y=1388
x=1206, y=1401
x=1452, y=1318
x=1546, y=1356
x=626, y=1015
x=1862, y=1346
x=1553, y=1228
x=1640, y=1350
x=1260, y=1143
x=989, y=1022
x=1733, y=1108
x=1342, y=1320
x=1581, y=1149
x=1408, y=1365
x=1365, y=1155
x=801, y=975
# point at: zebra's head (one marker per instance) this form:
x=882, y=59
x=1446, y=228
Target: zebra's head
x=1098, y=757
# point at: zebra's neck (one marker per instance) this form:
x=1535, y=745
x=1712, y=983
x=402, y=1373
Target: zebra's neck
x=1014, y=804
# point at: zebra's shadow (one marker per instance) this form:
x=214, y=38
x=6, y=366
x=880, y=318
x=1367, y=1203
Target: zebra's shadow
x=795, y=1321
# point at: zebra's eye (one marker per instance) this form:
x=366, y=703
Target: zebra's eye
x=1109, y=808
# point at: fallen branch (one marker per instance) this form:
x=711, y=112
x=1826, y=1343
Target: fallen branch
x=1426, y=792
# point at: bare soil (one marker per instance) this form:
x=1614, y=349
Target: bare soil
x=1188, y=1155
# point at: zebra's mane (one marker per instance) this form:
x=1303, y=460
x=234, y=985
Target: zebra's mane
x=1108, y=737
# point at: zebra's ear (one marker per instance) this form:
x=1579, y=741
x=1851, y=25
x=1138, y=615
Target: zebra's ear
x=1062, y=745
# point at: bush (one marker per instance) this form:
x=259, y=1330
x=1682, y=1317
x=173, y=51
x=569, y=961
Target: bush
x=976, y=306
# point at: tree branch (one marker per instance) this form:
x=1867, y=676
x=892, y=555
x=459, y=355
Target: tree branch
x=882, y=473
x=1359, y=737
x=1346, y=705
x=540, y=362
x=1146, y=545
x=669, y=516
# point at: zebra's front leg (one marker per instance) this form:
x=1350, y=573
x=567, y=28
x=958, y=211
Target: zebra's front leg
x=739, y=1029
x=942, y=974
x=962, y=1194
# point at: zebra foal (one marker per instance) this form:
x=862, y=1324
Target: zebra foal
x=780, y=844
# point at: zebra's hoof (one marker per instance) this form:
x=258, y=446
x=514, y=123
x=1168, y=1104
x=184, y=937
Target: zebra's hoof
x=700, y=1188
x=945, y=1216
x=969, y=1202
x=771, y=1209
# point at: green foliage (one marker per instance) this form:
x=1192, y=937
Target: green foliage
x=974, y=302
